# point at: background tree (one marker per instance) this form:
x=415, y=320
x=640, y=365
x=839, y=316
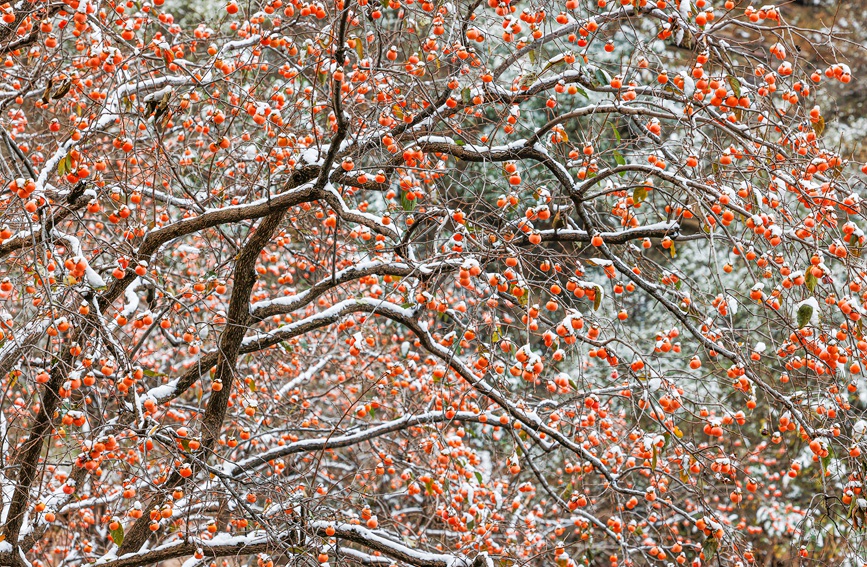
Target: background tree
x=440, y=284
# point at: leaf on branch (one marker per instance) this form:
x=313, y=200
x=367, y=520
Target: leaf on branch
x=826, y=461
x=117, y=535
x=152, y=373
x=810, y=280
x=602, y=77
x=819, y=126
x=805, y=313
x=406, y=203
x=618, y=157
x=639, y=194
x=708, y=548
x=597, y=298
x=735, y=85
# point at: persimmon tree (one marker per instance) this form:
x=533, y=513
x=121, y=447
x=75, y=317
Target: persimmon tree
x=436, y=284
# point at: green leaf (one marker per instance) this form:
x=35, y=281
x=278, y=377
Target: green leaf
x=466, y=95
x=639, y=194
x=602, y=77
x=709, y=548
x=810, y=280
x=532, y=56
x=117, y=535
x=805, y=313
x=618, y=157
x=479, y=477
x=616, y=133
x=827, y=460
x=654, y=460
x=407, y=205
x=735, y=85
x=152, y=373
